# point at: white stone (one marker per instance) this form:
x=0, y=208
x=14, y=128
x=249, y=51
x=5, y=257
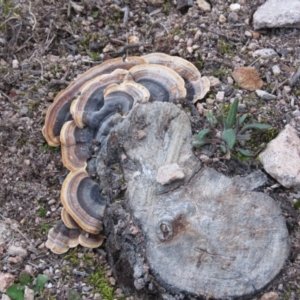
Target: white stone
x=230, y=80
x=265, y=95
x=266, y=52
x=276, y=70
x=28, y=293
x=203, y=5
x=277, y=13
x=281, y=158
x=15, y=64
x=3, y=233
x=169, y=173
x=248, y=33
x=214, y=81
x=235, y=6
x=220, y=96
x=5, y=297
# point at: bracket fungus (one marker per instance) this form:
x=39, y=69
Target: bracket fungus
x=120, y=120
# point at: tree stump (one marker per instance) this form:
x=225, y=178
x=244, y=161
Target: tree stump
x=201, y=235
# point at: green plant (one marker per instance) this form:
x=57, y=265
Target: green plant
x=46, y=147
x=226, y=131
x=42, y=212
x=102, y=285
x=16, y=291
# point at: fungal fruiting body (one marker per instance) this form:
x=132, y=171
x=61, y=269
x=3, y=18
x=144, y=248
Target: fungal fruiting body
x=82, y=116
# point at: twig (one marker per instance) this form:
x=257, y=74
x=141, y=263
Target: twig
x=294, y=77
x=125, y=9
x=7, y=97
x=42, y=69
x=9, y=19
x=277, y=86
x=255, y=61
x=34, y=18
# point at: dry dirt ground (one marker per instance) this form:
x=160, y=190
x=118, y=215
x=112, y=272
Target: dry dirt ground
x=45, y=44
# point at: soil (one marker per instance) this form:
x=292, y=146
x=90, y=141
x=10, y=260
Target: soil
x=45, y=44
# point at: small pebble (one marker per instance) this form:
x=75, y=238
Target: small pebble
x=233, y=17
x=133, y=40
x=220, y=96
x=276, y=70
x=235, y=6
x=265, y=95
x=248, y=34
x=15, y=64
x=266, y=52
x=222, y=19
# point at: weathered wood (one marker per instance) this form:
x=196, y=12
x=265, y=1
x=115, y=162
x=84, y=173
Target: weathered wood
x=205, y=234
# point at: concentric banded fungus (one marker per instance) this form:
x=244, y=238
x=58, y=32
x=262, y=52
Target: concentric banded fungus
x=61, y=238
x=196, y=86
x=76, y=145
x=117, y=99
x=59, y=112
x=68, y=220
x=81, y=198
x=91, y=240
x=163, y=83
x=91, y=97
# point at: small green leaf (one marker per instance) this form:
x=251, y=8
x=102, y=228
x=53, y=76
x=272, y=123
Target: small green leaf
x=25, y=278
x=95, y=14
x=243, y=137
x=228, y=135
x=230, y=121
x=255, y=126
x=16, y=292
x=202, y=134
x=244, y=152
x=211, y=119
x=242, y=119
x=73, y=295
x=199, y=139
x=40, y=282
x=223, y=148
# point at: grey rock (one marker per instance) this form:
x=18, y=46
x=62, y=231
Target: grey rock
x=266, y=52
x=277, y=13
x=208, y=234
x=265, y=95
x=233, y=17
x=281, y=158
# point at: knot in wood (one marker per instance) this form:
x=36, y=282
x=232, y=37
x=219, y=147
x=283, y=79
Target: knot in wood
x=165, y=230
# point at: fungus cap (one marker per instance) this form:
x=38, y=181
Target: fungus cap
x=91, y=240
x=163, y=83
x=59, y=112
x=91, y=94
x=196, y=86
x=82, y=199
x=76, y=145
x=61, y=238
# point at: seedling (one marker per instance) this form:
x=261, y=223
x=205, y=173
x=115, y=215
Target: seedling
x=16, y=291
x=233, y=129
